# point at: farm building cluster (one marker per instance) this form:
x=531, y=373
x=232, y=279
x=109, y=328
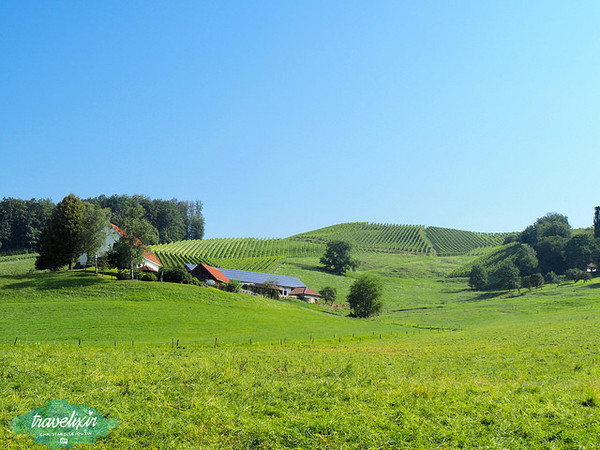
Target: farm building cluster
x=251, y=281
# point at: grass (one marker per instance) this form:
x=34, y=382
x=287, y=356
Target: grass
x=514, y=371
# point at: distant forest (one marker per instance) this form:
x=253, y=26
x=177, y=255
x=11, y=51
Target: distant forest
x=22, y=221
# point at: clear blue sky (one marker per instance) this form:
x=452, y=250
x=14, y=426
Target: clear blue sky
x=283, y=116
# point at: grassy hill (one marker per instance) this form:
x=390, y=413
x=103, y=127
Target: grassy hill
x=442, y=367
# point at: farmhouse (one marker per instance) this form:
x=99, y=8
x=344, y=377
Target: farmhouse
x=206, y=273
x=306, y=294
x=150, y=263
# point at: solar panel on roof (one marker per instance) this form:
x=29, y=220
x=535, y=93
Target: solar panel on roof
x=261, y=278
x=190, y=267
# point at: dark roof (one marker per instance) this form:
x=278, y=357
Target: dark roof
x=305, y=291
x=261, y=278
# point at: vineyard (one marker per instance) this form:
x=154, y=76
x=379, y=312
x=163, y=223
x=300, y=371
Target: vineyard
x=259, y=255
x=373, y=237
x=265, y=255
x=449, y=242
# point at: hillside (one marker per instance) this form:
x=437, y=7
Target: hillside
x=367, y=238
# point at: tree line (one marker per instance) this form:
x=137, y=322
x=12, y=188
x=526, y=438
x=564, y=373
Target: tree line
x=22, y=222
x=548, y=250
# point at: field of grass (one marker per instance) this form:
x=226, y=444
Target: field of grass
x=442, y=366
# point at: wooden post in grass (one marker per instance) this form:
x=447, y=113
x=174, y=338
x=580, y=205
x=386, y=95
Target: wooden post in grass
x=177, y=343
x=115, y=343
x=132, y=344
x=172, y=343
x=15, y=341
x=80, y=342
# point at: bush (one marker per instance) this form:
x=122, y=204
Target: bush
x=552, y=278
x=328, y=294
x=176, y=274
x=365, y=296
x=148, y=276
x=233, y=286
x=123, y=275
x=536, y=280
x=197, y=282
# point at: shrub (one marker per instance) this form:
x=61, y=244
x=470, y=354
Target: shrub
x=197, y=282
x=176, y=274
x=148, y=276
x=536, y=280
x=123, y=275
x=552, y=278
x=328, y=294
x=233, y=286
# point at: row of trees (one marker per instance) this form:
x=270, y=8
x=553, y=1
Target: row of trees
x=548, y=250
x=76, y=227
x=22, y=222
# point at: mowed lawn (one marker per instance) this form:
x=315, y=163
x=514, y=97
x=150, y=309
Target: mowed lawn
x=516, y=371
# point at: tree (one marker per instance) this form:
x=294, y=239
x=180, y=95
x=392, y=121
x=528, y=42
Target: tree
x=552, y=278
x=550, y=254
x=328, y=294
x=61, y=240
x=509, y=276
x=527, y=261
x=478, y=278
x=579, y=251
x=95, y=226
x=337, y=257
x=577, y=274
x=137, y=232
x=195, y=228
x=536, y=280
x=365, y=296
x=597, y=222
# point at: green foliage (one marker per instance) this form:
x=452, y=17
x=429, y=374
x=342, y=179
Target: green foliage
x=536, y=280
x=148, y=276
x=234, y=286
x=365, y=296
x=552, y=224
x=597, y=222
x=526, y=260
x=509, y=277
x=328, y=294
x=580, y=250
x=490, y=261
x=22, y=223
x=550, y=252
x=337, y=257
x=576, y=275
x=552, y=278
x=94, y=231
x=176, y=274
x=478, y=278
x=61, y=240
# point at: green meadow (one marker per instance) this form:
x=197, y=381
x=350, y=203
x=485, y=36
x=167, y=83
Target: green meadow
x=441, y=367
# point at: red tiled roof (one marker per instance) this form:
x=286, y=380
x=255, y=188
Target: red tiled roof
x=216, y=273
x=304, y=291
x=147, y=254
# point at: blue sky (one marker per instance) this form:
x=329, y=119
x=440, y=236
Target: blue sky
x=283, y=117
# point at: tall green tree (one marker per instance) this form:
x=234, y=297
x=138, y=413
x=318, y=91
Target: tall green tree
x=337, y=257
x=580, y=251
x=96, y=224
x=365, y=296
x=195, y=229
x=509, y=276
x=527, y=261
x=478, y=279
x=597, y=222
x=138, y=232
x=60, y=243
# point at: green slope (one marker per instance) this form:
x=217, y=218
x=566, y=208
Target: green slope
x=68, y=306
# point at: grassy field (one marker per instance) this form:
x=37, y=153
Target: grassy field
x=441, y=367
